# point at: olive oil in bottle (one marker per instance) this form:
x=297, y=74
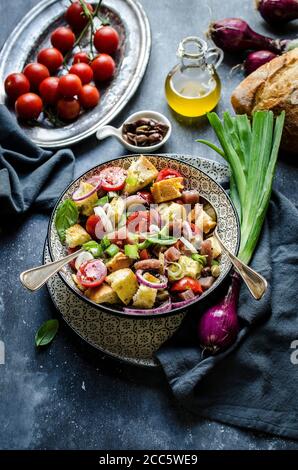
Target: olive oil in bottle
x=193, y=87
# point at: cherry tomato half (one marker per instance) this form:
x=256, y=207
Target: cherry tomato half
x=113, y=178
x=91, y=223
x=48, y=90
x=75, y=16
x=187, y=283
x=51, y=58
x=36, y=73
x=167, y=173
x=68, y=109
x=28, y=106
x=81, y=58
x=103, y=67
x=63, y=39
x=106, y=39
x=92, y=273
x=16, y=84
x=140, y=221
x=83, y=71
x=69, y=85
x=89, y=96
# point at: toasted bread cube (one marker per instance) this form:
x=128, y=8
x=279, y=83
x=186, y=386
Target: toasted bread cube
x=145, y=296
x=102, y=294
x=189, y=266
x=167, y=189
x=119, y=261
x=79, y=286
x=124, y=283
x=140, y=173
x=208, y=222
x=86, y=206
x=76, y=235
x=216, y=248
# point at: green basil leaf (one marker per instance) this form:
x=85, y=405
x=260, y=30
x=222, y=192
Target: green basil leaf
x=67, y=214
x=46, y=333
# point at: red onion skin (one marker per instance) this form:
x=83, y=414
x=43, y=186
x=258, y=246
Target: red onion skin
x=218, y=327
x=277, y=12
x=255, y=59
x=235, y=35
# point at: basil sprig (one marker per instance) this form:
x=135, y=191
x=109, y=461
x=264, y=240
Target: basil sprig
x=67, y=214
x=46, y=333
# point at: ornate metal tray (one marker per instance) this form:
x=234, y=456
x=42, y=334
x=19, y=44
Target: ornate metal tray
x=33, y=33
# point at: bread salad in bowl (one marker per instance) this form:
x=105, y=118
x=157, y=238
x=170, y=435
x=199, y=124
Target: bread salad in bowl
x=146, y=238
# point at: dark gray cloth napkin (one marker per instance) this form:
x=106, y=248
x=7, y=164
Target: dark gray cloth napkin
x=253, y=384
x=29, y=175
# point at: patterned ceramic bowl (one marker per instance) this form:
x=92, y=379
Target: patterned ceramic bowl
x=228, y=224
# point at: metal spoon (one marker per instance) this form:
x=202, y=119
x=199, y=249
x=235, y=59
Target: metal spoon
x=256, y=283
x=35, y=278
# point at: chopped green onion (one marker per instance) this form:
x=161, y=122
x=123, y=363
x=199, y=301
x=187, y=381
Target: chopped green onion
x=112, y=250
x=174, y=271
x=202, y=259
x=251, y=149
x=105, y=243
x=94, y=248
x=214, y=262
x=131, y=251
x=102, y=201
x=143, y=245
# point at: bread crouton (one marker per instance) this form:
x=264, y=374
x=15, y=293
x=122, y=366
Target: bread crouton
x=102, y=294
x=166, y=190
x=140, y=173
x=76, y=235
x=119, y=261
x=124, y=283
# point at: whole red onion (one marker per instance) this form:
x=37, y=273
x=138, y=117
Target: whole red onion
x=255, y=59
x=235, y=35
x=218, y=327
x=278, y=11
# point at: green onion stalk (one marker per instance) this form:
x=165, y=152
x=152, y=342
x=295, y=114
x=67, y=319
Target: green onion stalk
x=251, y=149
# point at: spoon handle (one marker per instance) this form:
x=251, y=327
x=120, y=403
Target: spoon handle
x=256, y=283
x=35, y=278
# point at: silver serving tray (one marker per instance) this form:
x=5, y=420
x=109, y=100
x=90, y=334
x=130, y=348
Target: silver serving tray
x=33, y=33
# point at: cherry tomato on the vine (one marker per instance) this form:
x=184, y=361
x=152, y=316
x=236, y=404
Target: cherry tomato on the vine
x=89, y=96
x=16, y=84
x=51, y=58
x=83, y=71
x=81, y=57
x=63, y=39
x=48, y=90
x=68, y=109
x=69, y=85
x=103, y=67
x=28, y=106
x=106, y=39
x=36, y=73
x=75, y=16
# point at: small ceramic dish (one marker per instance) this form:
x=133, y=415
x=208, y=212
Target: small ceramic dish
x=228, y=223
x=110, y=131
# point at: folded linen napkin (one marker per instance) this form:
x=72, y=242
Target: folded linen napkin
x=29, y=175
x=254, y=383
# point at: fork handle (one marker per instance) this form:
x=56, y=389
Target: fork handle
x=256, y=283
x=34, y=278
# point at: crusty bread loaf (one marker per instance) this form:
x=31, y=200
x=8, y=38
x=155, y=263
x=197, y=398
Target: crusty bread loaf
x=274, y=86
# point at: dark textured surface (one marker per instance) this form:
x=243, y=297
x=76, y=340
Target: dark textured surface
x=70, y=396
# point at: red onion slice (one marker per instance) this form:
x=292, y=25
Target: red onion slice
x=78, y=196
x=162, y=309
x=183, y=303
x=154, y=285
